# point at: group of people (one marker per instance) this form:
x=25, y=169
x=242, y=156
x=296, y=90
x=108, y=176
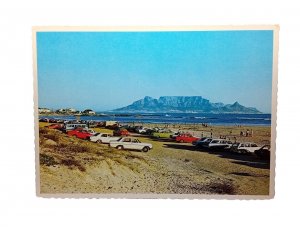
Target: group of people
x=247, y=133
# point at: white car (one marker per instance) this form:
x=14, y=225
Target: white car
x=218, y=144
x=91, y=131
x=130, y=144
x=244, y=148
x=103, y=138
x=142, y=130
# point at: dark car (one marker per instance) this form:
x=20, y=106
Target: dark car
x=203, y=143
x=199, y=140
x=121, y=132
x=264, y=152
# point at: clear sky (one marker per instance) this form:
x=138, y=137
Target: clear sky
x=107, y=70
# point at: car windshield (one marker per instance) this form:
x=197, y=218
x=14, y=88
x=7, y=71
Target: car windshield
x=97, y=134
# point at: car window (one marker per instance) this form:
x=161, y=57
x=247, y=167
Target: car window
x=104, y=135
x=127, y=140
x=135, y=141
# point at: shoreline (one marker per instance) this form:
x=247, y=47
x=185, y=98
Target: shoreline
x=136, y=119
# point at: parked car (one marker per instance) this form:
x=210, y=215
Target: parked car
x=199, y=140
x=156, y=129
x=149, y=131
x=130, y=144
x=218, y=144
x=186, y=138
x=80, y=133
x=51, y=120
x=244, y=148
x=137, y=128
x=55, y=126
x=113, y=127
x=103, y=138
x=162, y=134
x=73, y=126
x=91, y=131
x=121, y=132
x=174, y=135
x=264, y=152
x=92, y=124
x=203, y=142
x=142, y=130
x=44, y=120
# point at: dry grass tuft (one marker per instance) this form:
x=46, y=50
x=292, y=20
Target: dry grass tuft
x=47, y=160
x=53, y=137
x=73, y=163
x=221, y=187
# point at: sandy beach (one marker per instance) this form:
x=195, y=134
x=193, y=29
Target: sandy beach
x=71, y=165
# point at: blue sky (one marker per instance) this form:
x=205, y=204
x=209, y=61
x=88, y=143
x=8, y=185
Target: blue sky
x=107, y=70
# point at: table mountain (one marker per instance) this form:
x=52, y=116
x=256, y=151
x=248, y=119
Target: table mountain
x=184, y=104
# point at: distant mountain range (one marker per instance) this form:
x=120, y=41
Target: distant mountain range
x=184, y=104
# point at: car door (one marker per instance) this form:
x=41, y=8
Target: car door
x=135, y=144
x=104, y=138
x=127, y=143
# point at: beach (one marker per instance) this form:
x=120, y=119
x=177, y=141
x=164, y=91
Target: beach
x=72, y=165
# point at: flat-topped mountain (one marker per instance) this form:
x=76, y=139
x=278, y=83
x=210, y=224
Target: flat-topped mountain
x=184, y=104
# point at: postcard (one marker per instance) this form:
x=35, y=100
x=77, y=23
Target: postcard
x=155, y=112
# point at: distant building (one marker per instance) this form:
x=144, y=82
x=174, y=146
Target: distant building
x=71, y=110
x=44, y=110
x=61, y=111
x=67, y=111
x=89, y=112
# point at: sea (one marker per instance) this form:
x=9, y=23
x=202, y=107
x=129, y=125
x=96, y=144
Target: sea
x=175, y=118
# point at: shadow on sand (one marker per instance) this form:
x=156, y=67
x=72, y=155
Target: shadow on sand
x=250, y=160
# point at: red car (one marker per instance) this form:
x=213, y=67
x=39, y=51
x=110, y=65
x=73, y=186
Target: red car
x=186, y=138
x=121, y=132
x=80, y=133
x=55, y=126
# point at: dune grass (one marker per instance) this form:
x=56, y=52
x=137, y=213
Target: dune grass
x=77, y=153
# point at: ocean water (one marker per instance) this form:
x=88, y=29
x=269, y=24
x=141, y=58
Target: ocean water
x=184, y=118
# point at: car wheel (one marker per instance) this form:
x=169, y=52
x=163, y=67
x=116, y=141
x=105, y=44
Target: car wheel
x=145, y=149
x=244, y=151
x=99, y=141
x=120, y=147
